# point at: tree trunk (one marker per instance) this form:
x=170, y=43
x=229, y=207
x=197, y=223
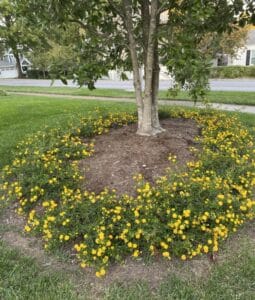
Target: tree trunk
x=18, y=64
x=147, y=105
x=155, y=88
x=146, y=127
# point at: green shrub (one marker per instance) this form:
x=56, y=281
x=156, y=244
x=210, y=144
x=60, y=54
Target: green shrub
x=2, y=93
x=37, y=74
x=233, y=72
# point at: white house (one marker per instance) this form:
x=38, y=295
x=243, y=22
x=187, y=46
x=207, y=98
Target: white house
x=244, y=57
x=8, y=70
x=8, y=67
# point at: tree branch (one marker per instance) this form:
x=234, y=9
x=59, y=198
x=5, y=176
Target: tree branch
x=116, y=8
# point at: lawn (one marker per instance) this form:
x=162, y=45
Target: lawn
x=23, y=277
x=21, y=115
x=242, y=98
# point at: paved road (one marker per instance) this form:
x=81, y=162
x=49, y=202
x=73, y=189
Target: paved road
x=216, y=85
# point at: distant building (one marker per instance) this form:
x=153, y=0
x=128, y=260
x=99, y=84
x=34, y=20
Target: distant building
x=8, y=66
x=244, y=57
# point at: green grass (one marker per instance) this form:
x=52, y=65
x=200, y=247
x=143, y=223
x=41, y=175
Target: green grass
x=70, y=91
x=247, y=119
x=23, y=278
x=224, y=97
x=243, y=98
x=22, y=115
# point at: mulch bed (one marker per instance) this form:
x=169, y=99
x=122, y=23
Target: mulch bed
x=121, y=153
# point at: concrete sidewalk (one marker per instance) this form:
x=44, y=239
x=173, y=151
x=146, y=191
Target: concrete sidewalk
x=225, y=107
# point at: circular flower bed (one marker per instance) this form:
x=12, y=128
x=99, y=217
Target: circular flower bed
x=182, y=215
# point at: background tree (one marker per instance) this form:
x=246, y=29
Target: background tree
x=2, y=48
x=19, y=31
x=58, y=58
x=227, y=43
x=121, y=33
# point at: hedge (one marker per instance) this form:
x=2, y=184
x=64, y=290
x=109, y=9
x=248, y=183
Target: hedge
x=233, y=72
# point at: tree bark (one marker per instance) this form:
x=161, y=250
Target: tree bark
x=146, y=127
x=147, y=106
x=135, y=63
x=145, y=17
x=18, y=64
x=155, y=88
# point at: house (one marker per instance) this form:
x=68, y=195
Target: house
x=8, y=67
x=8, y=70
x=244, y=57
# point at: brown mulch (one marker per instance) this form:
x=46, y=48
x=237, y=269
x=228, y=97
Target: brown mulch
x=121, y=153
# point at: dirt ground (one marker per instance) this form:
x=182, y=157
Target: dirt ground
x=121, y=153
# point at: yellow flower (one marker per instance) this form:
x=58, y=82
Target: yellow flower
x=183, y=257
x=186, y=213
x=101, y=236
x=101, y=272
x=215, y=248
x=136, y=213
x=45, y=204
x=151, y=248
x=166, y=254
x=206, y=249
x=27, y=228
x=174, y=215
x=164, y=245
x=77, y=247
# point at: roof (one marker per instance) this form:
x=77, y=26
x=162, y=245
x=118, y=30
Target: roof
x=251, y=38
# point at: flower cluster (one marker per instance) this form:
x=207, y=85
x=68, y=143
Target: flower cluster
x=182, y=215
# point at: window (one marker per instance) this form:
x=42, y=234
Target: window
x=252, y=57
x=222, y=60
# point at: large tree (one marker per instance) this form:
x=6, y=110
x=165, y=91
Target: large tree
x=135, y=34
